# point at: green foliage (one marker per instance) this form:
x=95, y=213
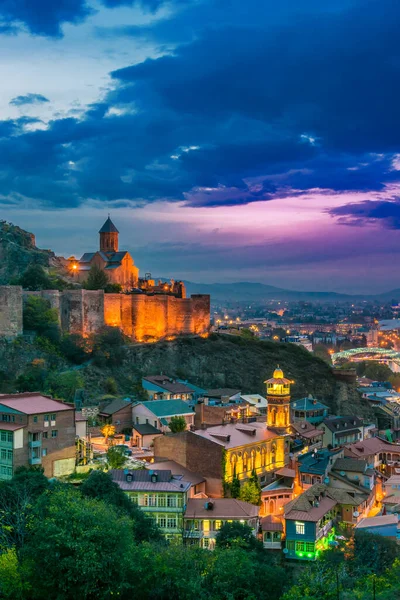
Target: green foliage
x=64, y=385
x=237, y=535
x=235, y=485
x=32, y=379
x=110, y=386
x=115, y=457
x=100, y=486
x=113, y=288
x=373, y=553
x=177, y=424
x=322, y=351
x=74, y=348
x=109, y=347
x=35, y=278
x=250, y=492
x=97, y=279
x=247, y=334
x=12, y=584
x=377, y=371
x=38, y=315
x=78, y=548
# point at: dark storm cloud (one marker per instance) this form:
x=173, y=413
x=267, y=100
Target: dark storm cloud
x=292, y=97
x=42, y=17
x=29, y=99
x=385, y=213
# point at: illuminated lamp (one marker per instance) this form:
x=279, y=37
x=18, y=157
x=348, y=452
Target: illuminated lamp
x=301, y=554
x=310, y=554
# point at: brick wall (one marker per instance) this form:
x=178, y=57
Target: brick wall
x=197, y=454
x=10, y=310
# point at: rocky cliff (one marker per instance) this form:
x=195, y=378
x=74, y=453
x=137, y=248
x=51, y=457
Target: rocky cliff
x=18, y=250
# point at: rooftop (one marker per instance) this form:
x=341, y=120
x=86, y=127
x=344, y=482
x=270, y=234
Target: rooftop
x=232, y=435
x=308, y=404
x=178, y=470
x=32, y=403
x=372, y=445
x=347, y=423
x=222, y=508
x=142, y=481
x=108, y=227
x=306, y=429
x=377, y=521
x=393, y=480
x=114, y=406
x=221, y=392
x=315, y=463
x=254, y=399
x=169, y=384
x=350, y=464
x=271, y=523
x=146, y=429
x=167, y=408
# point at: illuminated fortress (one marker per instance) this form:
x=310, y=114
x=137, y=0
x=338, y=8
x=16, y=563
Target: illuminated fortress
x=145, y=310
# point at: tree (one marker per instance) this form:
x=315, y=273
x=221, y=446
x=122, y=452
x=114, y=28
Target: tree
x=237, y=535
x=78, y=548
x=235, y=485
x=113, y=288
x=250, y=492
x=116, y=457
x=38, y=315
x=12, y=584
x=377, y=371
x=100, y=486
x=110, y=386
x=373, y=553
x=108, y=431
x=64, y=385
x=35, y=278
x=97, y=279
x=177, y=424
x=74, y=348
x=109, y=347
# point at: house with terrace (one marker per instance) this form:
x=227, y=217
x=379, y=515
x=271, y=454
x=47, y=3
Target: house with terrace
x=204, y=518
x=162, y=387
x=339, y=431
x=314, y=466
x=309, y=409
x=278, y=493
x=159, y=413
x=160, y=494
x=379, y=454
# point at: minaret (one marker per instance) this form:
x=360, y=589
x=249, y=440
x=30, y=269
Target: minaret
x=108, y=237
x=278, y=397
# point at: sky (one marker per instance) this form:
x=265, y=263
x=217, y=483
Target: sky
x=229, y=140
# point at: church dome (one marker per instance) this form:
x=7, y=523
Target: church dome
x=278, y=374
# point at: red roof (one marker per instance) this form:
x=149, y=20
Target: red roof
x=271, y=523
x=33, y=403
x=11, y=426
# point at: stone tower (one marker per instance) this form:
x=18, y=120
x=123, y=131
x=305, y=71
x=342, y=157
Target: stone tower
x=278, y=397
x=109, y=237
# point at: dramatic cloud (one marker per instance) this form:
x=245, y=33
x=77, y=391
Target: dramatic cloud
x=384, y=213
x=29, y=99
x=42, y=17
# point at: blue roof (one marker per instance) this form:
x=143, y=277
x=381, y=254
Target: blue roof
x=309, y=403
x=315, y=465
x=108, y=227
x=168, y=408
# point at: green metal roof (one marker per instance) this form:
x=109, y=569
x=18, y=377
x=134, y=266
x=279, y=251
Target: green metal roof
x=168, y=408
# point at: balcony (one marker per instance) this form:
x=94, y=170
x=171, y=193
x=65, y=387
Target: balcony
x=193, y=533
x=35, y=461
x=324, y=530
x=35, y=444
x=272, y=545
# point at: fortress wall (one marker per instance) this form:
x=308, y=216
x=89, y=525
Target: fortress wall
x=93, y=311
x=126, y=314
x=72, y=311
x=182, y=318
x=10, y=310
x=112, y=310
x=149, y=317
x=201, y=312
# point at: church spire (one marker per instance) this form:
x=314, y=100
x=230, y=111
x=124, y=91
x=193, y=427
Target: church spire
x=108, y=237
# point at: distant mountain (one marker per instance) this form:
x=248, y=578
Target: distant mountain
x=243, y=291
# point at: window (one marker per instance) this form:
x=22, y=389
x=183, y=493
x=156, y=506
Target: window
x=44, y=452
x=152, y=500
x=9, y=437
x=44, y=435
x=161, y=501
x=35, y=420
x=155, y=424
x=3, y=454
x=53, y=417
x=54, y=433
x=217, y=525
x=206, y=543
x=171, y=522
x=3, y=436
x=300, y=529
x=46, y=418
x=147, y=421
x=162, y=522
x=309, y=546
x=300, y=546
x=9, y=455
x=171, y=501
x=290, y=545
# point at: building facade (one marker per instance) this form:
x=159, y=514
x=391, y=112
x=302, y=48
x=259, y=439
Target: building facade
x=36, y=430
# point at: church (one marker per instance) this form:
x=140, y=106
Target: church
x=118, y=265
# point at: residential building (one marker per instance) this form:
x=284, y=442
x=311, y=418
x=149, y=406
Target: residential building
x=162, y=387
x=308, y=409
x=144, y=434
x=278, y=493
x=306, y=437
x=36, y=430
x=258, y=404
x=206, y=415
x=315, y=465
x=117, y=412
x=204, y=518
x=392, y=486
x=339, y=431
x=378, y=453
x=272, y=532
x=160, y=494
x=160, y=412
x=309, y=520
x=222, y=396
x=198, y=483
x=385, y=525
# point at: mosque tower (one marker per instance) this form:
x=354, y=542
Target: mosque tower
x=278, y=397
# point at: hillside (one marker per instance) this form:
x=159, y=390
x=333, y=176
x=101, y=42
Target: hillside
x=18, y=250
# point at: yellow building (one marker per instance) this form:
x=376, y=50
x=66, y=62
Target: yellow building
x=278, y=398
